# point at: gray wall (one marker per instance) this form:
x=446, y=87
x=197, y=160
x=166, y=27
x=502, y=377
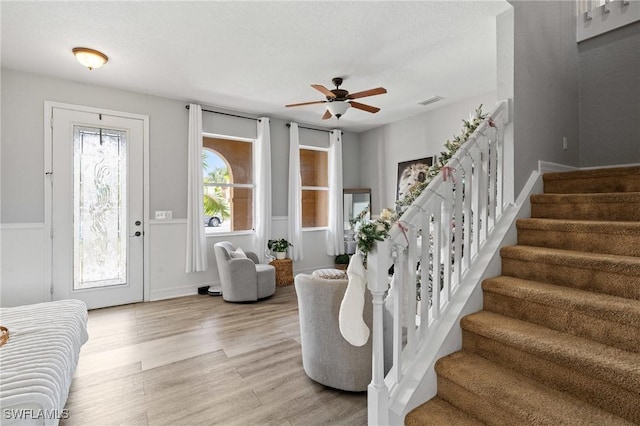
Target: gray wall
x=610, y=98
x=537, y=68
x=416, y=137
x=504, y=75
x=545, y=85
x=22, y=146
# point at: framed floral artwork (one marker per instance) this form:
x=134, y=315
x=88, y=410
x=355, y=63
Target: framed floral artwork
x=410, y=173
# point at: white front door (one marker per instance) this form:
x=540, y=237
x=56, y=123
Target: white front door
x=97, y=207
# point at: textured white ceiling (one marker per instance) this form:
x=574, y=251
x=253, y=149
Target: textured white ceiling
x=258, y=56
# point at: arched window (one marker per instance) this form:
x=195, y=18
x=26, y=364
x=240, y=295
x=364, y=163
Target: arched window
x=228, y=184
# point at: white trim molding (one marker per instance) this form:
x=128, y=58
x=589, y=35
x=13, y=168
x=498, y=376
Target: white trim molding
x=607, y=17
x=549, y=167
x=47, y=179
x=37, y=225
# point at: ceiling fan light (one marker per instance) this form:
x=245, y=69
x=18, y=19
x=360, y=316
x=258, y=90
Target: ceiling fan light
x=90, y=58
x=338, y=108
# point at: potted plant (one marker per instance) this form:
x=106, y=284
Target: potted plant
x=279, y=247
x=341, y=261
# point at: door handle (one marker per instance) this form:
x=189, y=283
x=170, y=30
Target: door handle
x=136, y=234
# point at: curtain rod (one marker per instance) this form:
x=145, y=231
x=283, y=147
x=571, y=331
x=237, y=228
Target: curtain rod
x=311, y=128
x=226, y=113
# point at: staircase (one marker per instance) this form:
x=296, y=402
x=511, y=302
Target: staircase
x=558, y=341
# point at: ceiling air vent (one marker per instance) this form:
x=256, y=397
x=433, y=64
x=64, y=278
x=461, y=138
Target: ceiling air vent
x=431, y=100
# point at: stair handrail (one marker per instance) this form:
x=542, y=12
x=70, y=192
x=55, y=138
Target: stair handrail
x=426, y=230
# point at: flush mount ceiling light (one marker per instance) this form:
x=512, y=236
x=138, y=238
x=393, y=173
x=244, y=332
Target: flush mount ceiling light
x=337, y=108
x=90, y=58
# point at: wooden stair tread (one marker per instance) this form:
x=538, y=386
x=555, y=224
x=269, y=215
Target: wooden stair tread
x=588, y=226
x=593, y=173
x=438, y=412
x=628, y=265
x=528, y=399
x=611, y=308
x=605, y=362
x=589, y=198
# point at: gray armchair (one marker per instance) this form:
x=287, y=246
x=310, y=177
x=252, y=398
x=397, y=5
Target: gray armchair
x=327, y=357
x=243, y=279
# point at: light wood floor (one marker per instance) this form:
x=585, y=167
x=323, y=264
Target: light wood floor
x=201, y=361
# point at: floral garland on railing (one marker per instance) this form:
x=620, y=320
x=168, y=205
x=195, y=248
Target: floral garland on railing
x=377, y=230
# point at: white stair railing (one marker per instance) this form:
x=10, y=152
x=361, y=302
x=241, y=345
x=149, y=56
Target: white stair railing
x=431, y=248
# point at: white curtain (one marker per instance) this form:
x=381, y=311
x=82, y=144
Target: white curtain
x=335, y=237
x=262, y=168
x=196, y=260
x=295, y=194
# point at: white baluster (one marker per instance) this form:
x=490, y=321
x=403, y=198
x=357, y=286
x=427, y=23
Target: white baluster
x=483, y=190
x=378, y=283
x=424, y=273
x=467, y=214
x=457, y=223
x=437, y=260
x=493, y=180
x=475, y=188
x=397, y=293
x=411, y=291
x=447, y=219
x=500, y=174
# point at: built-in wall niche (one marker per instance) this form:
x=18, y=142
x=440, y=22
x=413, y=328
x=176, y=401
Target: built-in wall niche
x=355, y=201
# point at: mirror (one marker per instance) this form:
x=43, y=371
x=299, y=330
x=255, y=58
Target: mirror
x=355, y=200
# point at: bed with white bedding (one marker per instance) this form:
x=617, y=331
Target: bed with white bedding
x=38, y=361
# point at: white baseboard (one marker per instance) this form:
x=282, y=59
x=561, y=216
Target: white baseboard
x=610, y=166
x=178, y=291
x=549, y=167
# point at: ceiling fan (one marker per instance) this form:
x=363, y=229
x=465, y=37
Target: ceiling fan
x=339, y=100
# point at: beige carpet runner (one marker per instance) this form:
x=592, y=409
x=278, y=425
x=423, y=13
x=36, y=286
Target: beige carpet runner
x=558, y=341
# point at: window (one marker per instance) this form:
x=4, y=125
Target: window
x=314, y=170
x=227, y=168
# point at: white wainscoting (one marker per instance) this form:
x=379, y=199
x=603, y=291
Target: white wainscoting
x=23, y=279
x=167, y=253
x=22, y=257
x=167, y=247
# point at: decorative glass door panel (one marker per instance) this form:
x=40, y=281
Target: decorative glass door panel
x=96, y=205
x=99, y=207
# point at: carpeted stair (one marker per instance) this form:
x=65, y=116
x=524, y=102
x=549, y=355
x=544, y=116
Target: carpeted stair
x=558, y=341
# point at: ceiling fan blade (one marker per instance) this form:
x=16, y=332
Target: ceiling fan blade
x=327, y=115
x=365, y=93
x=306, y=103
x=364, y=107
x=323, y=90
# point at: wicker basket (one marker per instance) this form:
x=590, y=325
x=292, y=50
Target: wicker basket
x=4, y=335
x=284, y=272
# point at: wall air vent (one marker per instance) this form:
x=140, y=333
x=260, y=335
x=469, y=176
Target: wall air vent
x=431, y=100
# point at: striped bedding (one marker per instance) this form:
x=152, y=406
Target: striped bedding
x=38, y=361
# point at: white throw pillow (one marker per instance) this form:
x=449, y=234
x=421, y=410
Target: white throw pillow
x=238, y=254
x=330, y=274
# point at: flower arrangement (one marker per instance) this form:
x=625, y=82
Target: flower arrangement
x=378, y=229
x=370, y=232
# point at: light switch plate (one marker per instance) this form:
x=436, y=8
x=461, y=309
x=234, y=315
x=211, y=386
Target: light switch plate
x=163, y=214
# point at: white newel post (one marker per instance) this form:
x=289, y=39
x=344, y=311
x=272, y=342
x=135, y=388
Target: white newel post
x=377, y=392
